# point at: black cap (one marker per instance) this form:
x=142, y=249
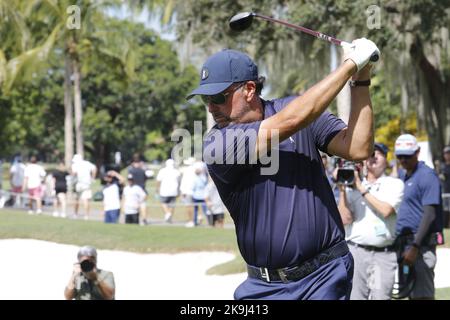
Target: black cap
x=381, y=147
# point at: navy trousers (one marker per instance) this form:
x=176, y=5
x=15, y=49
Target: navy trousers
x=332, y=281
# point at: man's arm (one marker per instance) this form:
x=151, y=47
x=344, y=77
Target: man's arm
x=429, y=214
x=344, y=210
x=304, y=109
x=106, y=290
x=382, y=207
x=356, y=141
x=94, y=172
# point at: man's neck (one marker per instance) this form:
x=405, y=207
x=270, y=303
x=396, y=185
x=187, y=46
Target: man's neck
x=371, y=177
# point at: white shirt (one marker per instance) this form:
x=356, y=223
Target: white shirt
x=111, y=197
x=133, y=196
x=187, y=181
x=213, y=196
x=368, y=226
x=35, y=173
x=83, y=170
x=17, y=174
x=169, y=178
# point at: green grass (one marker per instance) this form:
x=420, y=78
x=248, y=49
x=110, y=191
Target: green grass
x=150, y=239
x=134, y=238
x=443, y=294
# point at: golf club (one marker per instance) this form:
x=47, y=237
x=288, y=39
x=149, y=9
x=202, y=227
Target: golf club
x=243, y=20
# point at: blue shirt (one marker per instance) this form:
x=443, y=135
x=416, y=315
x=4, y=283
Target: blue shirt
x=422, y=188
x=287, y=217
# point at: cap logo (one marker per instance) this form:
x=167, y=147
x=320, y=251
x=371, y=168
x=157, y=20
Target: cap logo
x=205, y=73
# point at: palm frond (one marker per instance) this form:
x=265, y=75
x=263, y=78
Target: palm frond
x=26, y=63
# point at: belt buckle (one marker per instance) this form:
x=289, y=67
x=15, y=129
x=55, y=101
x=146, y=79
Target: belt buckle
x=265, y=274
x=282, y=275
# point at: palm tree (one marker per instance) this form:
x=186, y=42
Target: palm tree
x=76, y=43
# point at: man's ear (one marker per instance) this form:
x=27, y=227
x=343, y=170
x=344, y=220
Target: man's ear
x=249, y=90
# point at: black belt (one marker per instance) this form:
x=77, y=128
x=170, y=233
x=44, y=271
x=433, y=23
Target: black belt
x=300, y=271
x=372, y=248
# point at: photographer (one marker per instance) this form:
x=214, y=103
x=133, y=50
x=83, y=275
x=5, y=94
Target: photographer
x=368, y=211
x=87, y=281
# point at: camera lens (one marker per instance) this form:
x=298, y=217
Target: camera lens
x=87, y=266
x=345, y=176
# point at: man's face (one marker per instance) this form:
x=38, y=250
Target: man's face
x=233, y=109
x=408, y=162
x=377, y=163
x=89, y=258
x=447, y=157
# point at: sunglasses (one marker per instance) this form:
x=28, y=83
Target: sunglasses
x=219, y=98
x=404, y=157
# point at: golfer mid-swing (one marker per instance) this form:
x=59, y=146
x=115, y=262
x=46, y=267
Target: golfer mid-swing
x=288, y=227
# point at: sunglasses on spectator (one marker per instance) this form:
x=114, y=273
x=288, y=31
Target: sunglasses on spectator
x=402, y=156
x=219, y=98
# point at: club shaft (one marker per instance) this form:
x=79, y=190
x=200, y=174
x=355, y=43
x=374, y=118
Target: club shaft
x=303, y=29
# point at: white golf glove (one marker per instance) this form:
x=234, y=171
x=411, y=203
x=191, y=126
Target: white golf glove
x=360, y=52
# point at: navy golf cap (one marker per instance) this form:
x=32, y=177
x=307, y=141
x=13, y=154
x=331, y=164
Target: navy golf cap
x=381, y=147
x=222, y=69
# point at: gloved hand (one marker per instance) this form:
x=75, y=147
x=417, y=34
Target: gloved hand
x=360, y=52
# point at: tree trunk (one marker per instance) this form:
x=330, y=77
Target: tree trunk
x=435, y=90
x=78, y=108
x=68, y=114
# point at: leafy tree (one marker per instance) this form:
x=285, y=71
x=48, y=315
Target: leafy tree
x=413, y=37
x=49, y=22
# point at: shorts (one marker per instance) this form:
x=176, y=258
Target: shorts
x=83, y=191
x=167, y=200
x=35, y=192
x=132, y=218
x=17, y=189
x=217, y=217
x=112, y=216
x=60, y=190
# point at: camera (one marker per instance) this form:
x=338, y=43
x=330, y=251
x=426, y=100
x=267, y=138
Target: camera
x=87, y=265
x=346, y=172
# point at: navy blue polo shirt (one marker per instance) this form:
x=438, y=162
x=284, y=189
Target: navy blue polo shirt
x=287, y=217
x=422, y=188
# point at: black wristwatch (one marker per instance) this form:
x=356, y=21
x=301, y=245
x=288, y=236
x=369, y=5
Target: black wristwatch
x=357, y=83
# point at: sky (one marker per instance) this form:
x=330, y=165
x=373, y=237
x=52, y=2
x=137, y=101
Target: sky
x=144, y=17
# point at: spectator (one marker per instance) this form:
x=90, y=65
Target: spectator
x=111, y=196
x=444, y=175
x=87, y=281
x=187, y=188
x=198, y=191
x=167, y=183
x=84, y=173
x=33, y=175
x=132, y=199
x=60, y=190
x=137, y=169
x=368, y=210
x=16, y=180
x=216, y=208
x=419, y=218
x=329, y=172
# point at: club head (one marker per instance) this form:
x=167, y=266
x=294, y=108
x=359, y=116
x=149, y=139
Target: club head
x=241, y=21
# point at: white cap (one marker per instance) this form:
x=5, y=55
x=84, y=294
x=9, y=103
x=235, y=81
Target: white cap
x=170, y=163
x=76, y=158
x=189, y=161
x=406, y=145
